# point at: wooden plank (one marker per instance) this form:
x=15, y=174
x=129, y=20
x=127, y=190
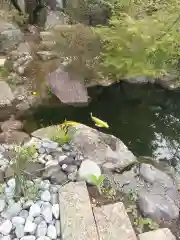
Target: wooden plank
x=113, y=222
x=77, y=221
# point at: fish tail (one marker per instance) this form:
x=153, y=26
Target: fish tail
x=91, y=114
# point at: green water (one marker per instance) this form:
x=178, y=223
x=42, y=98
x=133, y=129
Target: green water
x=145, y=118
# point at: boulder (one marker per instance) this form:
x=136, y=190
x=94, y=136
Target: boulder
x=106, y=150
x=10, y=36
x=14, y=137
x=11, y=125
x=156, y=191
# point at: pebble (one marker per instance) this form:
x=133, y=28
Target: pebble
x=50, y=144
x=19, y=231
x=41, y=150
x=62, y=158
x=18, y=220
x=3, y=162
x=28, y=204
x=43, y=238
x=29, y=227
x=46, y=196
x=8, y=237
x=24, y=214
x=39, y=219
x=11, y=183
x=47, y=214
x=54, y=189
x=6, y=227
x=64, y=166
x=9, y=192
x=88, y=168
x=58, y=228
x=30, y=237
x=2, y=149
x=51, y=232
x=35, y=210
x=2, y=204
x=48, y=158
x=54, y=198
x=41, y=229
x=66, y=147
x=55, y=211
x=45, y=185
x=14, y=209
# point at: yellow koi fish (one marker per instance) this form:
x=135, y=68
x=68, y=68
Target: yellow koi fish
x=66, y=125
x=99, y=122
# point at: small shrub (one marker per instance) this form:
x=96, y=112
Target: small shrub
x=98, y=181
x=142, y=222
x=61, y=137
x=23, y=155
x=81, y=45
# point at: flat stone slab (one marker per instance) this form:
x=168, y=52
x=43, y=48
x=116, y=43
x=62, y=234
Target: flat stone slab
x=113, y=222
x=160, y=234
x=6, y=95
x=77, y=221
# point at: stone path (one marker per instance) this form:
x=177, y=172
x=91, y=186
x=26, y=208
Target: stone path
x=82, y=221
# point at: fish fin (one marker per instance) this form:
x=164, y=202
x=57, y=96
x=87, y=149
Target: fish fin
x=98, y=125
x=91, y=114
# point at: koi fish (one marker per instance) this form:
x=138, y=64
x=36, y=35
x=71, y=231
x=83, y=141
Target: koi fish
x=99, y=122
x=66, y=125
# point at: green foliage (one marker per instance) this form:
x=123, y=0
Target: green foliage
x=133, y=195
x=81, y=46
x=143, y=222
x=61, y=137
x=98, y=181
x=141, y=39
x=23, y=155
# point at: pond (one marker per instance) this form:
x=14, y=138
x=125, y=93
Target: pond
x=145, y=117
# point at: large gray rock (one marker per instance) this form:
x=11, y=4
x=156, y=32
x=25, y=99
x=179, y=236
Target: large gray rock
x=156, y=192
x=106, y=150
x=10, y=36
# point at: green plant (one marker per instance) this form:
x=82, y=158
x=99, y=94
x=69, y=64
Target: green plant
x=61, y=137
x=81, y=46
x=142, y=222
x=133, y=195
x=32, y=192
x=23, y=155
x=98, y=181
x=141, y=39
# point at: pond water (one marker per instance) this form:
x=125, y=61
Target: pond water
x=145, y=117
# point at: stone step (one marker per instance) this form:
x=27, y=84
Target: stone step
x=160, y=234
x=113, y=222
x=77, y=221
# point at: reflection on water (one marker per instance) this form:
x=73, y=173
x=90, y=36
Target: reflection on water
x=146, y=122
